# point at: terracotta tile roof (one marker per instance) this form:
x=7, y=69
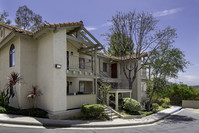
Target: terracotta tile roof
x=16, y=29
x=25, y=32
x=119, y=58
x=80, y=23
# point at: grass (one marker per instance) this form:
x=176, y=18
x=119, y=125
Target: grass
x=34, y=112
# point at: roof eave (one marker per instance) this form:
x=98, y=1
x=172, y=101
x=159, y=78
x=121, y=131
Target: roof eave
x=7, y=39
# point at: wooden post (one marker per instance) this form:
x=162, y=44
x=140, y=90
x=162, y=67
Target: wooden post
x=116, y=100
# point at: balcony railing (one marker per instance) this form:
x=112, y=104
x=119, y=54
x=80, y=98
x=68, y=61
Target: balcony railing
x=79, y=63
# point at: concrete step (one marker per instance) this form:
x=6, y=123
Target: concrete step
x=111, y=114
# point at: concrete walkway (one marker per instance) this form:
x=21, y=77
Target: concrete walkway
x=23, y=120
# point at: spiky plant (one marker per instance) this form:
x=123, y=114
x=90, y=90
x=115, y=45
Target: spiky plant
x=13, y=79
x=35, y=92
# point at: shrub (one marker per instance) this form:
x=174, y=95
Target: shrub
x=165, y=101
x=2, y=109
x=4, y=98
x=131, y=105
x=34, y=112
x=155, y=107
x=92, y=111
x=164, y=105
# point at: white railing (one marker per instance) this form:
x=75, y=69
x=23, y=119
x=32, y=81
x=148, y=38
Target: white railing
x=79, y=63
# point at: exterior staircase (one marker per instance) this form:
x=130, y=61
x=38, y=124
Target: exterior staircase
x=111, y=113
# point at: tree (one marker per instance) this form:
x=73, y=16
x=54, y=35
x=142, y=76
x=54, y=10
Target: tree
x=137, y=33
x=113, y=46
x=3, y=18
x=165, y=62
x=27, y=19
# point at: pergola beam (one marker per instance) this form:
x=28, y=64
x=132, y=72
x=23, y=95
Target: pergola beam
x=87, y=38
x=85, y=49
x=77, y=40
x=91, y=35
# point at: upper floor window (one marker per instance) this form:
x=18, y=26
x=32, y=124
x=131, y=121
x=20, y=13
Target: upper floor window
x=105, y=67
x=12, y=56
x=81, y=63
x=1, y=32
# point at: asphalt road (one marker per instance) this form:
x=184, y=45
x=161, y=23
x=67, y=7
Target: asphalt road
x=185, y=121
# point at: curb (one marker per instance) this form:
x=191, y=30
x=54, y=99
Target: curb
x=60, y=124
x=128, y=124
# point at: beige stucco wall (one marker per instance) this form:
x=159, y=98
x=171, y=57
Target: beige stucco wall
x=190, y=104
x=28, y=69
x=5, y=70
x=4, y=32
x=76, y=101
x=52, y=50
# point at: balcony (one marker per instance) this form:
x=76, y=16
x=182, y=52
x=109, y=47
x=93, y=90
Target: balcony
x=76, y=101
x=81, y=66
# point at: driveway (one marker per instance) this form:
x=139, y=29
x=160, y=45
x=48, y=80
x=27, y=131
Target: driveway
x=184, y=121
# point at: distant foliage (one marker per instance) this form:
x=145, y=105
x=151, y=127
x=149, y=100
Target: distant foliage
x=4, y=18
x=179, y=91
x=131, y=105
x=28, y=20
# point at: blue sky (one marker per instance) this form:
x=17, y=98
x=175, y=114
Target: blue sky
x=183, y=15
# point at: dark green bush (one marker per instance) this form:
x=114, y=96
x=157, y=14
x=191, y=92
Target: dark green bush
x=4, y=98
x=131, y=105
x=35, y=112
x=92, y=111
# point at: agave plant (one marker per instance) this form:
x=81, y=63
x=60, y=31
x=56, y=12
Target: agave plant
x=35, y=92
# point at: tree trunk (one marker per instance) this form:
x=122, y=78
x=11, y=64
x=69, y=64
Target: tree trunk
x=150, y=99
x=130, y=85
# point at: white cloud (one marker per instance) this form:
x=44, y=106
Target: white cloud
x=167, y=12
x=91, y=28
x=186, y=79
x=106, y=24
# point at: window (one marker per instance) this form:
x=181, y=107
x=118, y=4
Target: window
x=2, y=32
x=81, y=87
x=81, y=63
x=105, y=67
x=12, y=56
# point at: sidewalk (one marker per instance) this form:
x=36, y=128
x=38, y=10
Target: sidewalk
x=23, y=120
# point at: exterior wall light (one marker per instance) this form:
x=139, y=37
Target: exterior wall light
x=58, y=66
